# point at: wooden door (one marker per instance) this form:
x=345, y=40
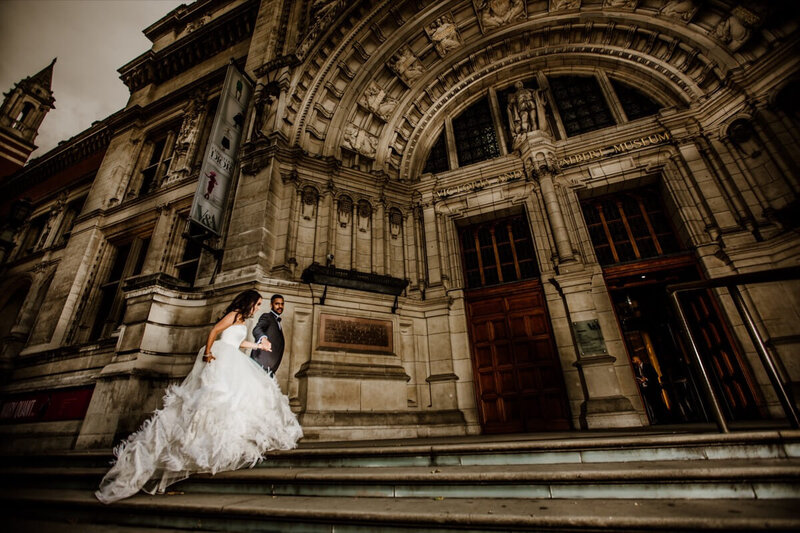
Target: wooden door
x=518, y=376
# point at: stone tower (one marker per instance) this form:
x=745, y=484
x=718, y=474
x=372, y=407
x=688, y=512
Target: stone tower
x=21, y=114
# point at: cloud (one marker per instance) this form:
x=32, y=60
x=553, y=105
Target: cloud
x=91, y=39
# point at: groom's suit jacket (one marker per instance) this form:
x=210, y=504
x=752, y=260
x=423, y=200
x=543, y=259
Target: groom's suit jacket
x=268, y=326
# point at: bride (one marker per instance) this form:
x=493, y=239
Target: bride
x=225, y=415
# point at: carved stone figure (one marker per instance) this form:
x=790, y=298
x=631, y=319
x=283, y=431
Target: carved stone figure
x=444, y=34
x=526, y=110
x=680, y=9
x=406, y=65
x=364, y=216
x=628, y=4
x=495, y=13
x=395, y=223
x=357, y=140
x=732, y=32
x=375, y=100
x=310, y=197
x=558, y=5
x=189, y=126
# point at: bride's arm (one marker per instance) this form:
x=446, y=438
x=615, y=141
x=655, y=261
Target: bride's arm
x=226, y=321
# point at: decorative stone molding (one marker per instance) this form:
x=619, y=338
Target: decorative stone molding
x=626, y=4
x=732, y=32
x=444, y=34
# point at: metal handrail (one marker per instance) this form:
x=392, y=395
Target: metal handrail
x=732, y=283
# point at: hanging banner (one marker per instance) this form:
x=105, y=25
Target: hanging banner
x=222, y=151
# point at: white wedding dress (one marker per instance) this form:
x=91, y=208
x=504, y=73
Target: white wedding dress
x=223, y=416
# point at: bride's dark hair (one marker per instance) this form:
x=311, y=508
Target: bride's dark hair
x=244, y=303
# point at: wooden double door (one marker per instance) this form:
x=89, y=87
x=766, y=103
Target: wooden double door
x=518, y=377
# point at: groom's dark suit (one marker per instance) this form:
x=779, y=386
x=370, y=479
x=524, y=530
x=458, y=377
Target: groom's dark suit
x=269, y=326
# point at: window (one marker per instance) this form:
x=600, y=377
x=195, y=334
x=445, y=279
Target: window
x=629, y=226
x=128, y=261
x=19, y=122
x=635, y=103
x=71, y=212
x=158, y=164
x=190, y=259
x=34, y=234
x=474, y=132
x=581, y=104
x=499, y=251
x=437, y=158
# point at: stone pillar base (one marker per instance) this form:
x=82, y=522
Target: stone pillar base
x=610, y=412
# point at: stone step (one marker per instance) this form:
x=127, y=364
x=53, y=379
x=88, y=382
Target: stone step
x=527, y=449
x=65, y=509
x=733, y=479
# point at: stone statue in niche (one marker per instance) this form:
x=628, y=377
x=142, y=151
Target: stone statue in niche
x=375, y=100
x=357, y=140
x=732, y=32
x=744, y=138
x=189, y=127
x=558, y=5
x=345, y=211
x=395, y=223
x=364, y=216
x=406, y=65
x=680, y=9
x=310, y=197
x=628, y=4
x=495, y=13
x=526, y=111
x=443, y=32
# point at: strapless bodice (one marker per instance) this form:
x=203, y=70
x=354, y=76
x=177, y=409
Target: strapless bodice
x=234, y=335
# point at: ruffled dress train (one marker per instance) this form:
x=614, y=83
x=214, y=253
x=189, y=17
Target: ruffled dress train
x=224, y=416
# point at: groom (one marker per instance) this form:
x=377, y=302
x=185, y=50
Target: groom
x=269, y=327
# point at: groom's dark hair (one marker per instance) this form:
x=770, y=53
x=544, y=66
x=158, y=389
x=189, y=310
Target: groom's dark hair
x=275, y=297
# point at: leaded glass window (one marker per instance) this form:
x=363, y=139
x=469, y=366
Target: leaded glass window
x=635, y=103
x=581, y=103
x=437, y=158
x=474, y=132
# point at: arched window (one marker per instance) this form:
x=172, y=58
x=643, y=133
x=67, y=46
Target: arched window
x=581, y=103
x=476, y=139
x=634, y=102
x=437, y=157
x=12, y=307
x=19, y=122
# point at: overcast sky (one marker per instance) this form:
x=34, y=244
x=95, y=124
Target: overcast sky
x=91, y=39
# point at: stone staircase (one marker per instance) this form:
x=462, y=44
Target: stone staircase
x=566, y=482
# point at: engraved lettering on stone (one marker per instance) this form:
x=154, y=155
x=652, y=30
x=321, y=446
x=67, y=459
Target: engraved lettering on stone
x=356, y=334
x=443, y=32
x=357, y=140
x=375, y=100
x=406, y=65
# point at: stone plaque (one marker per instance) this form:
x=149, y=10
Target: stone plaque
x=355, y=334
x=589, y=337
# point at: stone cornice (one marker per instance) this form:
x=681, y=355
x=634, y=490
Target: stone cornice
x=217, y=36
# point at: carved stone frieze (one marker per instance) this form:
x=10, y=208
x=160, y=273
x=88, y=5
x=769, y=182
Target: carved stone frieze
x=559, y=5
x=406, y=65
x=444, y=34
x=495, y=13
x=626, y=4
x=377, y=101
x=683, y=10
x=360, y=141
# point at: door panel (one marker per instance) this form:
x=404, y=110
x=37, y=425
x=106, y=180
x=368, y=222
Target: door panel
x=519, y=379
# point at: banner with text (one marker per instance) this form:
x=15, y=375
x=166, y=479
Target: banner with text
x=221, y=152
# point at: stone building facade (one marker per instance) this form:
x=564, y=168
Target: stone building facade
x=472, y=209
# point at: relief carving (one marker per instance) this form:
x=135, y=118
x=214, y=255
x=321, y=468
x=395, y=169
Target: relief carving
x=406, y=65
x=360, y=141
x=495, y=13
x=310, y=198
x=628, y=4
x=558, y=5
x=683, y=10
x=443, y=32
x=375, y=100
x=364, y=216
x=345, y=211
x=395, y=223
x=732, y=32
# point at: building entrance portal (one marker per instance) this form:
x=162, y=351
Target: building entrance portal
x=518, y=377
